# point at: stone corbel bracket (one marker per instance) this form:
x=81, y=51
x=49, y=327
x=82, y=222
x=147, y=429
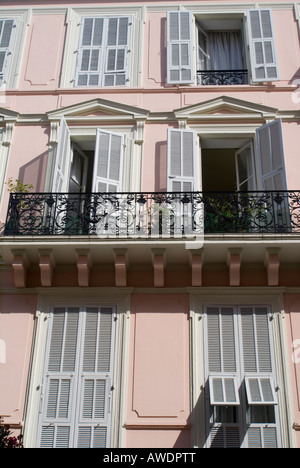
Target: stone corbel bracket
x=47, y=265
x=272, y=264
x=158, y=258
x=20, y=266
x=121, y=265
x=234, y=265
x=84, y=265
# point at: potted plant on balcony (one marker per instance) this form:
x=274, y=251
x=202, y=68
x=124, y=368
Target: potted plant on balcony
x=18, y=204
x=7, y=440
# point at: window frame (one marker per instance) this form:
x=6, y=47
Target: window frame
x=240, y=11
x=75, y=18
x=244, y=297
x=63, y=297
x=21, y=19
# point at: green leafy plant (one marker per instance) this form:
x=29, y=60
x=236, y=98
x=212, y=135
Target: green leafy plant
x=16, y=186
x=6, y=439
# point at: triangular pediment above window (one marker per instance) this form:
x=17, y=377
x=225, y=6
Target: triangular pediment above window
x=7, y=115
x=99, y=110
x=225, y=107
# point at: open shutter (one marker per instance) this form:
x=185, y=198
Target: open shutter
x=56, y=428
x=180, y=69
x=223, y=390
x=271, y=156
x=90, y=52
x=116, y=59
x=60, y=179
x=6, y=29
x=108, y=163
x=181, y=160
x=262, y=46
x=260, y=390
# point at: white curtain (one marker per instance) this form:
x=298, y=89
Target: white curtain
x=225, y=51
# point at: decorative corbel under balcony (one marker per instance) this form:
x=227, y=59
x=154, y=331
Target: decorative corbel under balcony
x=20, y=267
x=272, y=264
x=234, y=264
x=196, y=263
x=120, y=267
x=46, y=265
x=158, y=256
x=83, y=267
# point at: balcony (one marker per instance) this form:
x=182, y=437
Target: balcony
x=222, y=77
x=153, y=215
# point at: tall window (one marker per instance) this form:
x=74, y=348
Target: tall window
x=241, y=397
x=6, y=29
x=220, y=45
x=77, y=386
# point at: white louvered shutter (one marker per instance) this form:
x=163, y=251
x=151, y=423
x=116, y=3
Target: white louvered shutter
x=116, y=55
x=95, y=380
x=6, y=30
x=90, y=52
x=259, y=375
x=271, y=156
x=180, y=62
x=222, y=367
x=181, y=160
x=59, y=387
x=108, y=163
x=262, y=46
x=75, y=406
x=60, y=178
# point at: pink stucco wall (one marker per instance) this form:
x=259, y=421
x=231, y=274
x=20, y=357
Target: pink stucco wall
x=158, y=393
x=292, y=310
x=16, y=333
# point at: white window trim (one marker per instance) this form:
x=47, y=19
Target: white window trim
x=243, y=297
x=74, y=19
x=22, y=20
x=230, y=9
x=65, y=297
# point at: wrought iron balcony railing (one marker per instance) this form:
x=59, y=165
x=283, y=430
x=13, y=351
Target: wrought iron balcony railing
x=158, y=215
x=222, y=77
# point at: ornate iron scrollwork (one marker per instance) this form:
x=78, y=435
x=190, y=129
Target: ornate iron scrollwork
x=154, y=214
x=222, y=77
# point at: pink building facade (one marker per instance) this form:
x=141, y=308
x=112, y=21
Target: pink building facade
x=150, y=279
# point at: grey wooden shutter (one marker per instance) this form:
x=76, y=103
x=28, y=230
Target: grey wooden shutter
x=180, y=63
x=262, y=46
x=59, y=387
x=108, y=163
x=6, y=29
x=116, y=56
x=181, y=160
x=271, y=156
x=61, y=171
x=76, y=400
x=90, y=52
x=96, y=380
x=222, y=370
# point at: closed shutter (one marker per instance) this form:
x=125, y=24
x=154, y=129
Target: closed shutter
x=180, y=69
x=181, y=160
x=60, y=178
x=103, y=52
x=75, y=407
x=90, y=52
x=116, y=59
x=271, y=156
x=6, y=29
x=262, y=46
x=108, y=163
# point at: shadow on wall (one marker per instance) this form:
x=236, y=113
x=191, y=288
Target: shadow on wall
x=34, y=172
